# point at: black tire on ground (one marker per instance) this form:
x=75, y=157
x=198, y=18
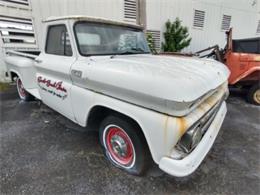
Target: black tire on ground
x=124, y=145
x=253, y=95
x=23, y=94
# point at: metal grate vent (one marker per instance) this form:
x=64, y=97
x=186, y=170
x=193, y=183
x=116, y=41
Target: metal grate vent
x=258, y=27
x=199, y=17
x=226, y=20
x=20, y=2
x=156, y=38
x=130, y=9
x=17, y=32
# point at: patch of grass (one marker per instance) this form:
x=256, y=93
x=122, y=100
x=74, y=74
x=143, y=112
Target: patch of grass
x=4, y=86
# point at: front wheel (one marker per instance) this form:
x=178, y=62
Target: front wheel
x=253, y=95
x=23, y=94
x=123, y=145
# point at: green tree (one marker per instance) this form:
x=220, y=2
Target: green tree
x=176, y=36
x=150, y=41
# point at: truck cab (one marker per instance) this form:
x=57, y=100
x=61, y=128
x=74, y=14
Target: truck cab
x=242, y=57
x=101, y=74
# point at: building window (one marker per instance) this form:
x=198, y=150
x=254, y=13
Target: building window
x=226, y=20
x=156, y=38
x=199, y=18
x=130, y=9
x=258, y=27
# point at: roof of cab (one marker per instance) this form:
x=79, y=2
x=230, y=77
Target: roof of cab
x=92, y=19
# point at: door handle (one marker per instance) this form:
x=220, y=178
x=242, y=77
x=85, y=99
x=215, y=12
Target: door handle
x=76, y=73
x=38, y=61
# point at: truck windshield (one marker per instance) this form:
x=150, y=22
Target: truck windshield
x=106, y=39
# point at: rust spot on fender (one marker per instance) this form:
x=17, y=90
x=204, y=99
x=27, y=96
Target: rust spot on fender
x=182, y=124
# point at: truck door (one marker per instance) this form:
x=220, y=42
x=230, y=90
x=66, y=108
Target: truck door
x=53, y=70
x=242, y=50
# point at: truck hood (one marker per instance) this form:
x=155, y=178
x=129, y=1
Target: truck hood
x=153, y=81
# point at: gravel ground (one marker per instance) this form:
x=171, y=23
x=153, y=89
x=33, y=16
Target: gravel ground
x=42, y=152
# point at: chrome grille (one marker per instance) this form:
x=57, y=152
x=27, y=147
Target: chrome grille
x=195, y=133
x=206, y=119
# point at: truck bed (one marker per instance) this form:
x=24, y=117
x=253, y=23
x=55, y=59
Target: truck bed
x=21, y=64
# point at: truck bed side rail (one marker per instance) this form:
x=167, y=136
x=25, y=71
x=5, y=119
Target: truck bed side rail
x=23, y=54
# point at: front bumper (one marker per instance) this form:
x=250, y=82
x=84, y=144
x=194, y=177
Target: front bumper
x=190, y=163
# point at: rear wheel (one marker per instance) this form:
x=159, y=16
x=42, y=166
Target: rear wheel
x=23, y=94
x=123, y=145
x=253, y=95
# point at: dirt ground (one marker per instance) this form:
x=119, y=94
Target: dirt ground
x=42, y=152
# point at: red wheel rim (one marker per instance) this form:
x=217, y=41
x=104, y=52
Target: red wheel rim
x=119, y=146
x=21, y=88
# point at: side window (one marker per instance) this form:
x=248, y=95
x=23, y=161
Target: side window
x=246, y=46
x=58, y=42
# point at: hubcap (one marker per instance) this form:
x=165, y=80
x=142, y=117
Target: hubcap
x=119, y=146
x=21, y=89
x=257, y=96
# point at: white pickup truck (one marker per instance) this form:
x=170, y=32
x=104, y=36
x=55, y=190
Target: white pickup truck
x=100, y=74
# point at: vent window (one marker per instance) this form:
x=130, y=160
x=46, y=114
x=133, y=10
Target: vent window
x=199, y=17
x=258, y=27
x=17, y=32
x=156, y=38
x=226, y=20
x=130, y=8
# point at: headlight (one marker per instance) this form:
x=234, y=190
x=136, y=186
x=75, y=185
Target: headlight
x=190, y=139
x=187, y=143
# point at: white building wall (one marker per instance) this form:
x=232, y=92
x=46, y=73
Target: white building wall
x=244, y=13
x=11, y=10
x=41, y=9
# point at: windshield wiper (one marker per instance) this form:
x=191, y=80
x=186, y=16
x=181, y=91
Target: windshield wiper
x=126, y=52
x=133, y=51
x=122, y=53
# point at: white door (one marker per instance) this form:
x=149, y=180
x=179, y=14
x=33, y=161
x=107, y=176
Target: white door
x=53, y=70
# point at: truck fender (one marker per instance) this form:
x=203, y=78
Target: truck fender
x=245, y=74
x=15, y=72
x=124, y=113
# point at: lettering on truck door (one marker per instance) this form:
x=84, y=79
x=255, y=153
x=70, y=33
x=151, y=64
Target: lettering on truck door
x=53, y=70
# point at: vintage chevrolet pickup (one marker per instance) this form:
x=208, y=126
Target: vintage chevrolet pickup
x=100, y=74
